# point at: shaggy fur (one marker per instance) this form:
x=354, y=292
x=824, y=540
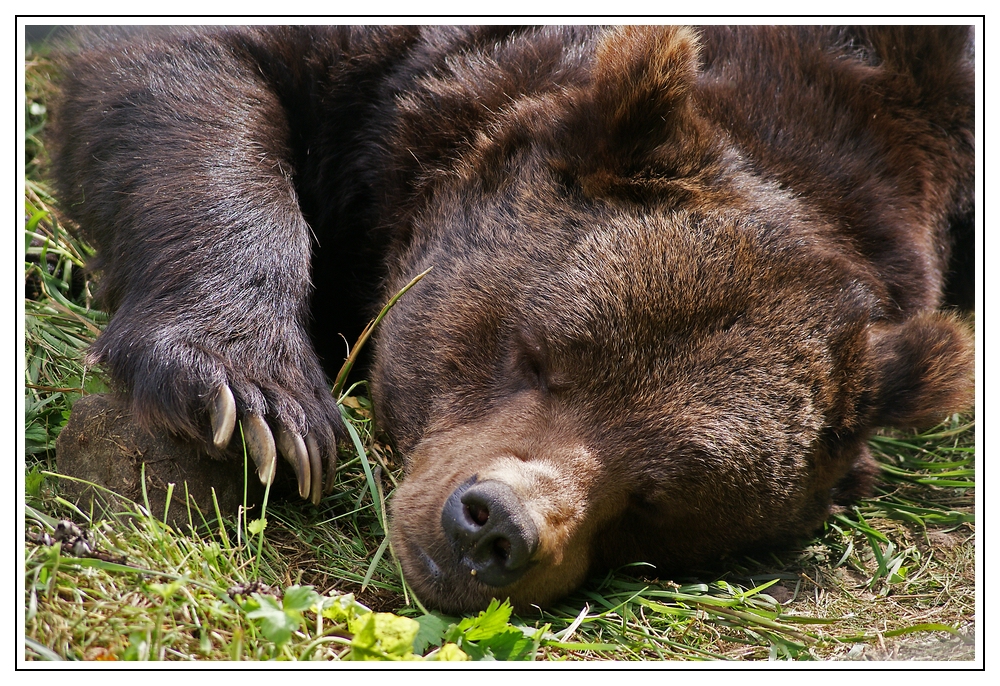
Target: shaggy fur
x=679, y=275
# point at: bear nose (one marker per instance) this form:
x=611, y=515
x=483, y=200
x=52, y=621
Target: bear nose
x=491, y=531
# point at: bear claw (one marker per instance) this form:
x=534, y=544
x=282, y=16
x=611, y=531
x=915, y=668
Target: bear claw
x=223, y=414
x=331, y=470
x=293, y=448
x=315, y=469
x=261, y=445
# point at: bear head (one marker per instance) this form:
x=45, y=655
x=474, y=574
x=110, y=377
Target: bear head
x=631, y=346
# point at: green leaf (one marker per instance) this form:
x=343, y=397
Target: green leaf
x=922, y=627
x=33, y=481
x=35, y=434
x=382, y=636
x=275, y=623
x=450, y=653
x=369, y=476
x=431, y=633
x=257, y=525
x=511, y=644
x=899, y=575
x=487, y=623
x=489, y=636
x=165, y=591
x=376, y=558
x=94, y=384
x=36, y=217
x=342, y=609
x=299, y=598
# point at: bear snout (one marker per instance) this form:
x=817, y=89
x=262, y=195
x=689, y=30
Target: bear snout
x=490, y=530
x=492, y=509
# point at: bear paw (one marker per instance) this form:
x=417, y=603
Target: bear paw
x=197, y=388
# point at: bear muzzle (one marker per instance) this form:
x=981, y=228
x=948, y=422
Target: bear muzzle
x=503, y=507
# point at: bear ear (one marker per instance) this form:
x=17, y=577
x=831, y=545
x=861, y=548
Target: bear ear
x=639, y=121
x=642, y=79
x=924, y=368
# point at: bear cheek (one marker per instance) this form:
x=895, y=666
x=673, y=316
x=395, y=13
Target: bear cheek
x=549, y=477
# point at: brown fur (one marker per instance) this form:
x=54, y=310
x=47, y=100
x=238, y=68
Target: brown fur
x=680, y=275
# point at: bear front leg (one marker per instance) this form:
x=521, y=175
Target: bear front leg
x=226, y=345
x=174, y=156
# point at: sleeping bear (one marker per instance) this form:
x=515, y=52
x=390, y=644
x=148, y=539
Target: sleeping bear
x=678, y=276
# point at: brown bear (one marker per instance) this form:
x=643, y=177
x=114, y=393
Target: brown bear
x=679, y=275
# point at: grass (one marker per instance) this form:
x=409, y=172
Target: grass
x=891, y=578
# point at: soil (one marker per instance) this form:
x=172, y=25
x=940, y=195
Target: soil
x=104, y=450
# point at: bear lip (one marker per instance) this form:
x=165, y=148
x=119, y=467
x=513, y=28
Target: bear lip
x=430, y=566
